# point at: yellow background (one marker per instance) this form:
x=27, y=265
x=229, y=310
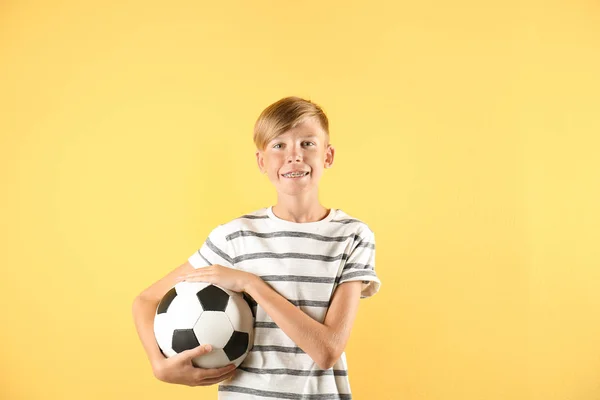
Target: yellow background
x=466, y=136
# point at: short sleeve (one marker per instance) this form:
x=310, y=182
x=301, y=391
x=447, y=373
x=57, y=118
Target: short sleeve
x=360, y=265
x=214, y=250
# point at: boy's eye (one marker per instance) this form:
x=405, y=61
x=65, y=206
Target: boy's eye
x=278, y=144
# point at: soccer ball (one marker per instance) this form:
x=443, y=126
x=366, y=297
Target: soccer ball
x=197, y=313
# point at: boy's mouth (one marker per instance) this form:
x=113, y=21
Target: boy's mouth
x=295, y=175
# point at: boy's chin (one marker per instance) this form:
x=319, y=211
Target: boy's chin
x=292, y=191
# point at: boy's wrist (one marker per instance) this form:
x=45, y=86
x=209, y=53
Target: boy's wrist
x=252, y=283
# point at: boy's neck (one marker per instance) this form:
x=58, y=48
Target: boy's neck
x=300, y=214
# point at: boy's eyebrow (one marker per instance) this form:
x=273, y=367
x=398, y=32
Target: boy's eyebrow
x=303, y=137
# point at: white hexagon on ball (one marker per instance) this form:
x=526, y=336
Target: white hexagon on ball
x=163, y=331
x=185, y=310
x=216, y=358
x=214, y=328
x=240, y=320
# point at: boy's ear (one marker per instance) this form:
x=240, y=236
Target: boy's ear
x=329, y=156
x=259, y=160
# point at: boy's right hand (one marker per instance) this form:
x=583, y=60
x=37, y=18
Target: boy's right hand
x=180, y=370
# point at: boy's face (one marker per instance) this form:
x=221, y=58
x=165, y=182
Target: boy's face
x=303, y=148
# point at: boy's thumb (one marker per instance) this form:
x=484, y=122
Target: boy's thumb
x=202, y=349
x=197, y=351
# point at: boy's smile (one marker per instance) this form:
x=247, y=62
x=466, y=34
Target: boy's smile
x=295, y=175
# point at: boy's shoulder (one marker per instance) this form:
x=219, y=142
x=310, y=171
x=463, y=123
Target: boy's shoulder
x=248, y=219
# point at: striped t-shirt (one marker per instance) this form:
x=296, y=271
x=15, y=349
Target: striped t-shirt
x=304, y=262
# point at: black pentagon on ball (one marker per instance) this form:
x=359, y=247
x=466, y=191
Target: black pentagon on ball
x=166, y=301
x=213, y=298
x=251, y=302
x=237, y=345
x=184, y=339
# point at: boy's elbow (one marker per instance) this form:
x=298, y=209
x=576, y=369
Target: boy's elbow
x=330, y=359
x=139, y=299
x=326, y=365
x=136, y=300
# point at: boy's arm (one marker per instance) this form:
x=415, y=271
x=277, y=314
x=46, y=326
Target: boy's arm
x=324, y=343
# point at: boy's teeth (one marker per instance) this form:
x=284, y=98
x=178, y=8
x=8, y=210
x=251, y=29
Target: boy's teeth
x=295, y=174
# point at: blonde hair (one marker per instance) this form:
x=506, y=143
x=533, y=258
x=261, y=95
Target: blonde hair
x=286, y=114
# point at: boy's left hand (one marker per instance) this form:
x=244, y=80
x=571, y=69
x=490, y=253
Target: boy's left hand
x=227, y=278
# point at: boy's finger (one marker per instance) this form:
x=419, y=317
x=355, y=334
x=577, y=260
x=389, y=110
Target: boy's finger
x=197, y=351
x=214, y=372
x=206, y=348
x=217, y=374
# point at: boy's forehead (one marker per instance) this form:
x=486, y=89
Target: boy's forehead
x=306, y=129
x=303, y=135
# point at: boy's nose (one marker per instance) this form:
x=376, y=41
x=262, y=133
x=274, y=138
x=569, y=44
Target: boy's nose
x=294, y=156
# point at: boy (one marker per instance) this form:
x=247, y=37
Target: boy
x=304, y=267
